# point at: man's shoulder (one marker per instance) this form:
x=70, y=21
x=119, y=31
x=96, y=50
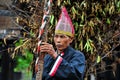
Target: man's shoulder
x=75, y=52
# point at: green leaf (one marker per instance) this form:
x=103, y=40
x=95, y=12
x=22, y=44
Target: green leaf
x=108, y=21
x=24, y=61
x=82, y=17
x=98, y=59
x=88, y=46
x=18, y=43
x=69, y=2
x=76, y=25
x=32, y=34
x=118, y=4
x=74, y=10
x=52, y=19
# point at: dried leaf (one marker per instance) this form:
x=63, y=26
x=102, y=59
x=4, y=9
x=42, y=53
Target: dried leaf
x=5, y=39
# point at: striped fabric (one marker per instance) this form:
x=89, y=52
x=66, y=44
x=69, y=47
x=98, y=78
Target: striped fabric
x=55, y=66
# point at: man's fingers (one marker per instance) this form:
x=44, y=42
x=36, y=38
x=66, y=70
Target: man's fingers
x=44, y=43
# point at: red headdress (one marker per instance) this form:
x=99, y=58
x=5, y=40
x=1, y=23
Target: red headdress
x=64, y=25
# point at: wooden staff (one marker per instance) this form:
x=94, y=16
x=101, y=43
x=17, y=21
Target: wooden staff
x=42, y=38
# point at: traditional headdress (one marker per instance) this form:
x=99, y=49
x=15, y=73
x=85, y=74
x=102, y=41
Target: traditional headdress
x=64, y=25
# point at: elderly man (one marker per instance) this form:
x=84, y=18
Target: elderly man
x=65, y=63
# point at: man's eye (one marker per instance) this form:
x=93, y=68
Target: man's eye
x=62, y=36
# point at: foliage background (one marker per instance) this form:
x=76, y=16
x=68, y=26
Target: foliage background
x=96, y=22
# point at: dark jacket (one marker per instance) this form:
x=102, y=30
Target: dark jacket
x=69, y=66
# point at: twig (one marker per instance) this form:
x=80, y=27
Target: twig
x=102, y=57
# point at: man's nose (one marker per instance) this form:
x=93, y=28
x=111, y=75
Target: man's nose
x=58, y=39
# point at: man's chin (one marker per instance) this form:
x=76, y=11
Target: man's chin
x=60, y=49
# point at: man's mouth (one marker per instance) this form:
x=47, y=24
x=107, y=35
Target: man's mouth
x=58, y=46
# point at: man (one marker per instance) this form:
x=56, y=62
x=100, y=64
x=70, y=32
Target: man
x=65, y=63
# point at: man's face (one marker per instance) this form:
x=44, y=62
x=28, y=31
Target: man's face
x=62, y=41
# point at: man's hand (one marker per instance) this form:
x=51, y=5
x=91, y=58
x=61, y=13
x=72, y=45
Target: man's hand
x=48, y=48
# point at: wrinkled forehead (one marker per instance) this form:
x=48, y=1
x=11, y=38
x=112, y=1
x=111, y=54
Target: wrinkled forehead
x=61, y=35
